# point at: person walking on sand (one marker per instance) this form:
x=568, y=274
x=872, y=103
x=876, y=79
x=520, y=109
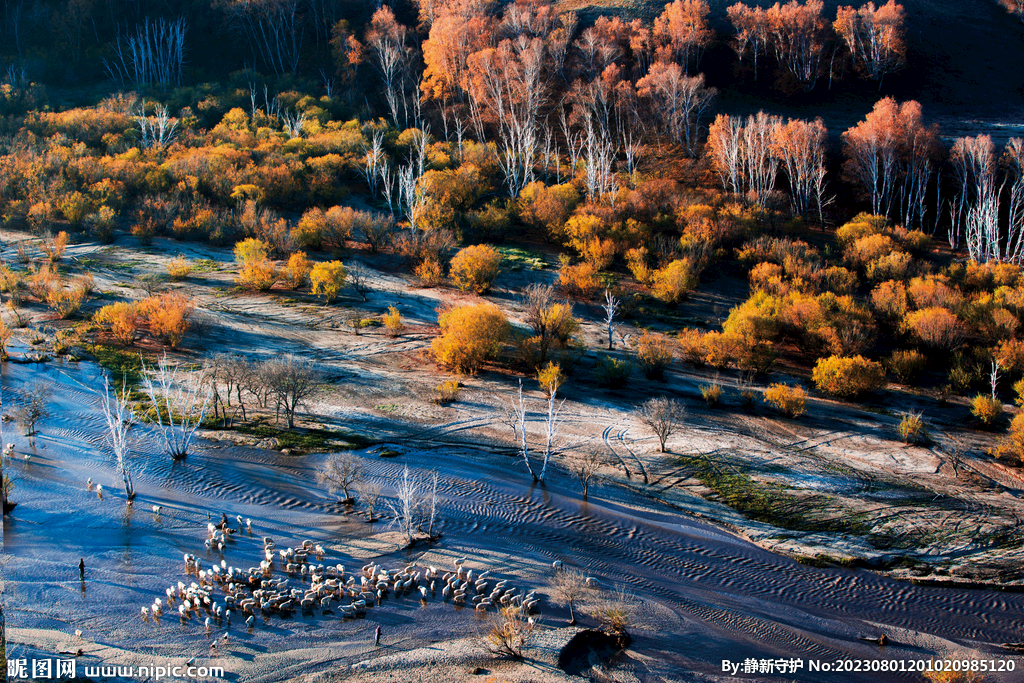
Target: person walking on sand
x=376, y=636
x=81, y=568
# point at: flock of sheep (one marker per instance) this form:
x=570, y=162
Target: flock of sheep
x=301, y=586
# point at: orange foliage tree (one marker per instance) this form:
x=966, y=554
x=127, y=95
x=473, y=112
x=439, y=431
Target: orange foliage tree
x=891, y=154
x=683, y=33
x=751, y=24
x=798, y=34
x=874, y=37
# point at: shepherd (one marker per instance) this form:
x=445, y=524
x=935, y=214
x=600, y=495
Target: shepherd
x=376, y=636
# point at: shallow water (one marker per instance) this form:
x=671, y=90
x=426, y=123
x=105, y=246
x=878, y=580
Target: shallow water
x=705, y=595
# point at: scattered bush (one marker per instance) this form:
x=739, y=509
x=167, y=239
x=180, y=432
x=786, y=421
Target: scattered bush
x=123, y=319
x=906, y=365
x=653, y=355
x=848, y=376
x=1011, y=446
x=672, y=283
x=168, y=316
x=791, y=400
x=470, y=335
x=446, y=392
x=54, y=247
x=67, y=301
x=393, y=322
x=327, y=279
x=298, y=269
x=986, y=409
x=430, y=272
x=912, y=428
x=579, y=281
x=712, y=393
x=258, y=272
x=937, y=328
x=613, y=373
x=179, y=268
x=475, y=268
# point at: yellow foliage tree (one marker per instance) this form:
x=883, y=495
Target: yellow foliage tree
x=672, y=283
x=790, y=400
x=470, y=335
x=327, y=279
x=475, y=268
x=848, y=376
x=298, y=269
x=257, y=270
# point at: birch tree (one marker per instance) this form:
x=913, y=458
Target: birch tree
x=798, y=33
x=678, y=100
x=800, y=145
x=386, y=39
x=875, y=37
x=611, y=309
x=273, y=28
x=751, y=24
x=179, y=404
x=683, y=32
x=120, y=419
x=153, y=54
x=1013, y=158
x=974, y=164
x=517, y=418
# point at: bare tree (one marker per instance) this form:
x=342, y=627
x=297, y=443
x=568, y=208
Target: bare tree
x=342, y=472
x=430, y=506
x=33, y=409
x=373, y=154
x=584, y=466
x=357, y=280
x=154, y=54
x=415, y=505
x=369, y=494
x=663, y=416
x=569, y=586
x=6, y=476
x=377, y=230
x=159, y=130
x=956, y=449
x=179, y=404
x=611, y=309
x=120, y=419
x=273, y=28
x=292, y=382
x=515, y=418
x=292, y=122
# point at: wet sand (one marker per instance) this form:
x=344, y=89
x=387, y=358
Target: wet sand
x=701, y=594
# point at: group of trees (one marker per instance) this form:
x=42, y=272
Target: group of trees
x=802, y=38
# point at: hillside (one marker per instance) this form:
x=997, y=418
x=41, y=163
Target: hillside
x=965, y=64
